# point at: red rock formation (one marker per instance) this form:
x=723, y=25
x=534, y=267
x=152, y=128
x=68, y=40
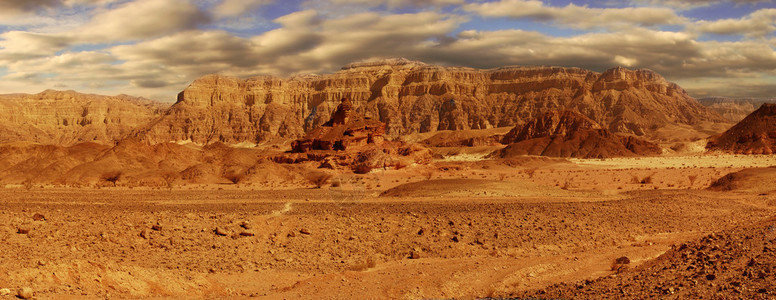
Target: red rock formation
x=570, y=134
x=344, y=131
x=412, y=97
x=353, y=141
x=755, y=134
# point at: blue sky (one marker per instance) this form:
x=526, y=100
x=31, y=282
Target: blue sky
x=155, y=48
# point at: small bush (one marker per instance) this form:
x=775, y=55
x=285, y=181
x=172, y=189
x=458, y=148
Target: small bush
x=111, y=177
x=319, y=179
x=692, y=179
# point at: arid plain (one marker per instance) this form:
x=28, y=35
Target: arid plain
x=391, y=179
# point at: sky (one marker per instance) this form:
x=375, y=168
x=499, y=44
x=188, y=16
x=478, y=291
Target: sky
x=156, y=48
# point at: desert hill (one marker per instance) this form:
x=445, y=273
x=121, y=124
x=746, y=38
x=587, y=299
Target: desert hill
x=134, y=163
x=67, y=117
x=414, y=97
x=733, y=264
x=571, y=134
x=734, y=109
x=755, y=134
x=758, y=180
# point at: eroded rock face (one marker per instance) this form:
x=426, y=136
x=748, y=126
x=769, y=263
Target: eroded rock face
x=345, y=131
x=571, y=134
x=755, y=134
x=349, y=140
x=67, y=118
x=412, y=97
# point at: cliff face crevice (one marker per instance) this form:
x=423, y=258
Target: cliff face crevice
x=411, y=97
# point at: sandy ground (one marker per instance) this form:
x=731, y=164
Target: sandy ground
x=451, y=230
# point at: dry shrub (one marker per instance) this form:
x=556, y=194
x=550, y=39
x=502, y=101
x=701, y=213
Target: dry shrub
x=111, y=177
x=319, y=179
x=234, y=177
x=692, y=179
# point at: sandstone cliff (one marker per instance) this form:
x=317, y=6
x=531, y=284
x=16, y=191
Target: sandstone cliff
x=412, y=97
x=66, y=117
x=755, y=134
x=734, y=109
x=571, y=134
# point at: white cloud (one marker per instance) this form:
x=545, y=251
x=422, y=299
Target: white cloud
x=142, y=19
x=574, y=16
x=236, y=8
x=392, y=4
x=688, y=4
x=757, y=24
x=19, y=45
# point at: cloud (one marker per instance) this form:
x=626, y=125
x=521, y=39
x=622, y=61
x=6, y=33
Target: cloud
x=574, y=16
x=392, y=4
x=688, y=4
x=27, y=5
x=142, y=19
x=20, y=45
x=757, y=24
x=236, y=8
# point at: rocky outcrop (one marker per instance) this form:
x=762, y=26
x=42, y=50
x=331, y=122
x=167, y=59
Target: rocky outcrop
x=755, y=134
x=413, y=97
x=571, y=134
x=67, y=117
x=345, y=131
x=350, y=140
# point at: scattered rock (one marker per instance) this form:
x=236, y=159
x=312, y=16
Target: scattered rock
x=247, y=233
x=221, y=232
x=156, y=227
x=24, y=293
x=620, y=263
x=623, y=260
x=246, y=225
x=38, y=217
x=414, y=254
x=145, y=234
x=304, y=231
x=22, y=230
x=5, y=292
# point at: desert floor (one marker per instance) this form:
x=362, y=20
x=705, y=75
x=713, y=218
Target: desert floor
x=455, y=229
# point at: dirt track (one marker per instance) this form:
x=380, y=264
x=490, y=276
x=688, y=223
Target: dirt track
x=105, y=242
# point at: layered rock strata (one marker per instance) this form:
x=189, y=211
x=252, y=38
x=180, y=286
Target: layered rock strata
x=413, y=97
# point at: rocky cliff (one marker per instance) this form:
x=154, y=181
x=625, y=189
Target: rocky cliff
x=755, y=134
x=571, y=134
x=734, y=109
x=412, y=97
x=67, y=117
